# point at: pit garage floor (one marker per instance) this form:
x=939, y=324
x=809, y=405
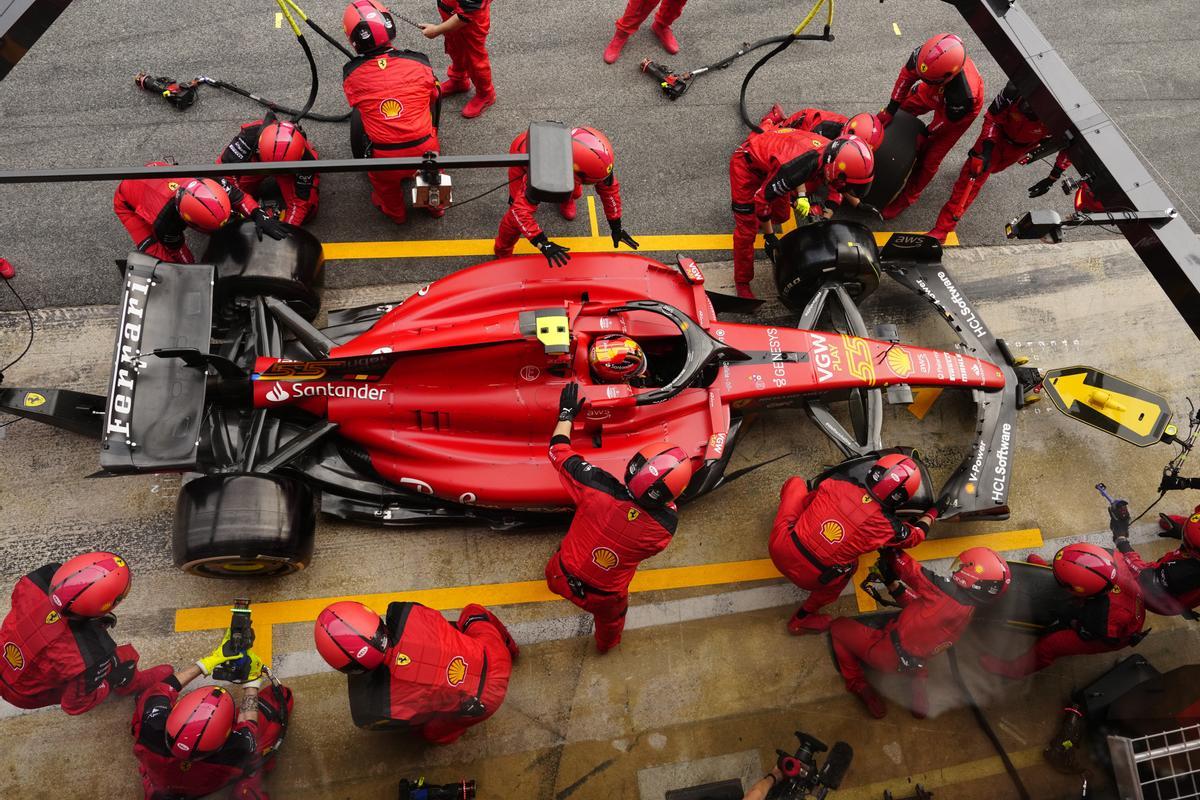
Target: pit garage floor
x=707, y=682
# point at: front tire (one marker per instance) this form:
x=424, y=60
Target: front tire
x=824, y=251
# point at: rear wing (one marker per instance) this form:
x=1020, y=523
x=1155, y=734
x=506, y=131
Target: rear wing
x=155, y=405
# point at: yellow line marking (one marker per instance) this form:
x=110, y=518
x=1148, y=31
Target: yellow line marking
x=282, y=612
x=431, y=248
x=278, y=19
x=923, y=401
x=896, y=28
x=944, y=777
x=592, y=216
x=931, y=549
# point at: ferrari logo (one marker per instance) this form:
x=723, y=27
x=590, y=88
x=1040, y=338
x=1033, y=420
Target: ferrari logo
x=833, y=531
x=14, y=656
x=52, y=617
x=120, y=562
x=816, y=142
x=633, y=514
x=382, y=63
x=173, y=186
x=33, y=400
x=866, y=498
x=1194, y=518
x=456, y=671
x=604, y=558
x=402, y=660
x=184, y=766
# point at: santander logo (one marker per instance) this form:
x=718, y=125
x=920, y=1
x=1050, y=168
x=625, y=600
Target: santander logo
x=277, y=394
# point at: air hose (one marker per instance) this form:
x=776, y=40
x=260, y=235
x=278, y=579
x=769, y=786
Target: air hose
x=796, y=35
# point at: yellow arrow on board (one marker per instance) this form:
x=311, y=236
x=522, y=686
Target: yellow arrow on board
x=1134, y=413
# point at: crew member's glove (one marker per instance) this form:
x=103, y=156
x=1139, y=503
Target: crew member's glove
x=771, y=246
x=223, y=653
x=569, y=402
x=802, y=207
x=1118, y=519
x=887, y=565
x=982, y=160
x=867, y=208
x=245, y=670
x=620, y=235
x=1046, y=183
x=885, y=116
x=556, y=254
x=264, y=224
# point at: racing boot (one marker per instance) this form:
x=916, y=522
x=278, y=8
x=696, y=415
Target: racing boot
x=744, y=291
x=940, y=234
x=478, y=104
x=143, y=679
x=456, y=86
x=568, y=210
x=665, y=37
x=871, y=699
x=607, y=644
x=1034, y=558
x=894, y=208
x=919, y=702
x=806, y=622
x=613, y=51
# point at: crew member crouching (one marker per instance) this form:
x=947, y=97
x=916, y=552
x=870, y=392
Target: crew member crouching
x=269, y=140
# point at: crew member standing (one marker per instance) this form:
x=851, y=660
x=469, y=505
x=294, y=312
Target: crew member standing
x=395, y=98
x=55, y=640
x=465, y=25
x=414, y=670
x=616, y=525
x=820, y=533
x=935, y=612
x=635, y=14
x=269, y=140
x=1011, y=131
x=592, y=156
x=938, y=77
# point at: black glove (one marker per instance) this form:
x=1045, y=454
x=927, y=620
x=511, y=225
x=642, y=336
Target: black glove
x=120, y=675
x=619, y=234
x=569, y=402
x=980, y=161
x=1118, y=518
x=1169, y=530
x=771, y=246
x=887, y=565
x=1045, y=184
x=867, y=208
x=555, y=254
x=264, y=224
x=943, y=504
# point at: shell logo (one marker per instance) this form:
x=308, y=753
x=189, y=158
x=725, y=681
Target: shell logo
x=456, y=671
x=900, y=361
x=832, y=530
x=391, y=108
x=604, y=558
x=14, y=656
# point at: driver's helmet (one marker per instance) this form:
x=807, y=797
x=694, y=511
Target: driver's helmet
x=615, y=358
x=893, y=479
x=200, y=723
x=982, y=573
x=1086, y=569
x=90, y=585
x=658, y=473
x=351, y=637
x=941, y=58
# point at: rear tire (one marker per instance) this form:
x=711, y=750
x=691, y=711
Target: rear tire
x=290, y=269
x=244, y=525
x=895, y=158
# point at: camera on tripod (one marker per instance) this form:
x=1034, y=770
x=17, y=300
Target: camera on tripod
x=802, y=777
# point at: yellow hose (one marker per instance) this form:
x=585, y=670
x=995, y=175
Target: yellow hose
x=812, y=15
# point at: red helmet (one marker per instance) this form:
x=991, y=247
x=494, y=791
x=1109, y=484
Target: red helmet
x=351, y=637
x=1085, y=198
x=281, y=141
x=867, y=127
x=1085, y=569
x=200, y=723
x=592, y=153
x=1191, y=533
x=893, y=479
x=204, y=204
x=849, y=165
x=90, y=585
x=941, y=58
x=981, y=571
x=368, y=25
x=658, y=473
x=615, y=358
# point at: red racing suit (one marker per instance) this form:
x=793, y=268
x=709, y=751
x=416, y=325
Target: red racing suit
x=148, y=209
x=819, y=534
x=609, y=536
x=47, y=659
x=466, y=46
x=395, y=100
x=521, y=217
x=954, y=104
x=764, y=171
x=934, y=615
x=437, y=679
x=246, y=754
x=820, y=121
x=299, y=191
x=637, y=11
x=1170, y=585
x=1009, y=133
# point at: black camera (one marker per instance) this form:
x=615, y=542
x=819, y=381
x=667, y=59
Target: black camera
x=802, y=777
x=420, y=790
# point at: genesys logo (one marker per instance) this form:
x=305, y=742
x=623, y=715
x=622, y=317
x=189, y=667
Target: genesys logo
x=282, y=392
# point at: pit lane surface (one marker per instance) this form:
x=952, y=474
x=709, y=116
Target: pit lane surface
x=71, y=102
x=706, y=683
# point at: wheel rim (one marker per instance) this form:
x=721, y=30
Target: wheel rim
x=238, y=567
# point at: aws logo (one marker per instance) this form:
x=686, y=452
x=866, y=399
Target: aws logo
x=456, y=671
x=604, y=558
x=14, y=656
x=833, y=531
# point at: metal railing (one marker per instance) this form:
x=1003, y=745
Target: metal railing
x=1160, y=766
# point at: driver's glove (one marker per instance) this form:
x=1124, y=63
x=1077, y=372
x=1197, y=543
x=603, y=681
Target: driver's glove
x=620, y=235
x=556, y=254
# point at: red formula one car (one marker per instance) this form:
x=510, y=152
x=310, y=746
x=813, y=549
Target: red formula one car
x=439, y=407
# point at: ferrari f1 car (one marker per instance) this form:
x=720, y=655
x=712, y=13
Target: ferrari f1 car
x=438, y=408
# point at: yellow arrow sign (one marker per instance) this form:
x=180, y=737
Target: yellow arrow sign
x=1118, y=407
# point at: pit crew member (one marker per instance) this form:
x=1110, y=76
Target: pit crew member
x=56, y=647
x=1170, y=585
x=269, y=140
x=465, y=25
x=416, y=670
x=635, y=14
x=820, y=533
x=616, y=525
x=935, y=612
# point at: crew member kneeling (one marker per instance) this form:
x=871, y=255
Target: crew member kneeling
x=414, y=670
x=1170, y=585
x=616, y=525
x=56, y=646
x=268, y=140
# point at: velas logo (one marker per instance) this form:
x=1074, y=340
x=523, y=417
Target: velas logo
x=604, y=558
x=456, y=671
x=14, y=656
x=278, y=394
x=391, y=108
x=832, y=530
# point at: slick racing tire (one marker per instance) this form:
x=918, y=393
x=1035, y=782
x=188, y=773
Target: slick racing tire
x=289, y=269
x=1034, y=601
x=244, y=525
x=824, y=251
x=895, y=158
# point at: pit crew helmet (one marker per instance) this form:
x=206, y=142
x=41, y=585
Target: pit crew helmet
x=941, y=58
x=592, y=155
x=1085, y=569
x=615, y=358
x=281, y=141
x=893, y=479
x=200, y=723
x=368, y=25
x=849, y=165
x=1191, y=533
x=867, y=127
x=204, y=204
x=658, y=473
x=351, y=637
x=90, y=585
x=982, y=573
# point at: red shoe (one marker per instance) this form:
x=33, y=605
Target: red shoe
x=1034, y=558
x=568, y=210
x=874, y=703
x=666, y=37
x=805, y=622
x=744, y=290
x=478, y=104
x=893, y=209
x=919, y=703
x=773, y=117
x=613, y=51
x=143, y=679
x=455, y=86
x=436, y=213
x=938, y=234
